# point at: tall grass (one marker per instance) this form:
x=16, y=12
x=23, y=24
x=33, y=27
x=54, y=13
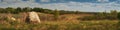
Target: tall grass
x=63, y=25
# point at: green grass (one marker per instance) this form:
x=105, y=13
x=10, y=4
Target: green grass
x=64, y=25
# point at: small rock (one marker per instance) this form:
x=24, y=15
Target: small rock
x=12, y=18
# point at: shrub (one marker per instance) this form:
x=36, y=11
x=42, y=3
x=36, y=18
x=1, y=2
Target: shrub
x=56, y=14
x=7, y=29
x=118, y=16
x=88, y=18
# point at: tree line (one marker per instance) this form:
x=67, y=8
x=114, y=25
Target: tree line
x=36, y=9
x=113, y=15
x=26, y=9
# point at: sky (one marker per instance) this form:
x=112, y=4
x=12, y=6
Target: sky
x=69, y=5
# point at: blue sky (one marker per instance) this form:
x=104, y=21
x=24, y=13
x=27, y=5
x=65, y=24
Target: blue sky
x=71, y=5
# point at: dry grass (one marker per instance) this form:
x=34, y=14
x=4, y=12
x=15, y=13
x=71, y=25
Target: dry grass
x=62, y=25
x=66, y=24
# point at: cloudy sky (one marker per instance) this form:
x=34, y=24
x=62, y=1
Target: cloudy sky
x=74, y=5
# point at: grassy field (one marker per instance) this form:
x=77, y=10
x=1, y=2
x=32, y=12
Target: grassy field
x=69, y=22
x=62, y=25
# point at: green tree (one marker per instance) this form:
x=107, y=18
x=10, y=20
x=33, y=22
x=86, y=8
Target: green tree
x=56, y=14
x=2, y=10
x=100, y=16
x=118, y=16
x=113, y=14
x=10, y=10
x=47, y=11
x=76, y=12
x=27, y=9
x=17, y=10
x=36, y=9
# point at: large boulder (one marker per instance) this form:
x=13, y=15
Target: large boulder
x=33, y=17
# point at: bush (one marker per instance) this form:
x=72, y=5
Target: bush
x=87, y=18
x=7, y=29
x=4, y=18
x=118, y=16
x=56, y=14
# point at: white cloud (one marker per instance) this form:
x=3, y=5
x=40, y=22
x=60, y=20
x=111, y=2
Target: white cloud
x=15, y=1
x=54, y=0
x=91, y=7
x=45, y=0
x=32, y=0
x=0, y=0
x=103, y=0
x=10, y=1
